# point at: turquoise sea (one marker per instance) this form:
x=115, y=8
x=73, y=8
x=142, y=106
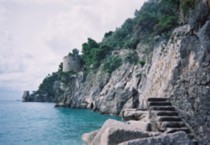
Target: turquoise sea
x=43, y=124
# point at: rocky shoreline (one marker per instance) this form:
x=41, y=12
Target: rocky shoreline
x=142, y=127
x=118, y=133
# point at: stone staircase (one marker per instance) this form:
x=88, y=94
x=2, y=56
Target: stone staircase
x=166, y=119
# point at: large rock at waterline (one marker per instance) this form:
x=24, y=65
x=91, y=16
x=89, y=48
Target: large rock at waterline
x=88, y=137
x=26, y=96
x=144, y=125
x=114, y=132
x=138, y=118
x=133, y=114
x=60, y=104
x=178, y=138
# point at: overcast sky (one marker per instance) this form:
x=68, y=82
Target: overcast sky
x=36, y=34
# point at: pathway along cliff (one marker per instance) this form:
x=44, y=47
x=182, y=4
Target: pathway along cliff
x=163, y=52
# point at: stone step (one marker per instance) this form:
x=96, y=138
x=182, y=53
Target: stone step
x=162, y=108
x=157, y=99
x=195, y=142
x=167, y=113
x=173, y=130
x=169, y=118
x=172, y=125
x=191, y=136
x=155, y=103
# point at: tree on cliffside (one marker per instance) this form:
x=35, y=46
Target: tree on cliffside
x=46, y=87
x=93, y=53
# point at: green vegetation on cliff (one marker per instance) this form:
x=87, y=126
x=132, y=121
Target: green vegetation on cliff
x=155, y=18
x=94, y=53
x=46, y=87
x=187, y=5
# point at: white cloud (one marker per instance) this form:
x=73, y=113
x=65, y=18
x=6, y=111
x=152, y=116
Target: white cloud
x=72, y=27
x=36, y=34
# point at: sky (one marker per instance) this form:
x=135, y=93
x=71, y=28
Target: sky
x=35, y=35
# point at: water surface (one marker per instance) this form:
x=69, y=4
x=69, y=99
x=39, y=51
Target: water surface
x=43, y=124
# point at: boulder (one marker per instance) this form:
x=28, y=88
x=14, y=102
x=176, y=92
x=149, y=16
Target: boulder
x=144, y=125
x=133, y=114
x=60, y=104
x=178, y=138
x=114, y=132
x=88, y=137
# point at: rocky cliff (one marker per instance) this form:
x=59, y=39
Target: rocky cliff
x=176, y=67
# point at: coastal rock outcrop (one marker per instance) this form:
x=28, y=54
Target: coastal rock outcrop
x=34, y=97
x=88, y=137
x=26, y=96
x=115, y=132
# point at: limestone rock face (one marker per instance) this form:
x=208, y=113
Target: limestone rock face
x=177, y=69
x=104, y=92
x=180, y=71
x=191, y=92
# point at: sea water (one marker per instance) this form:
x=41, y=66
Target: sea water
x=43, y=124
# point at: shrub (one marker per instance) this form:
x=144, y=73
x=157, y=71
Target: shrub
x=65, y=77
x=112, y=63
x=47, y=84
x=94, y=53
x=155, y=18
x=132, y=58
x=131, y=43
x=186, y=5
x=108, y=34
x=121, y=35
x=142, y=63
x=166, y=23
x=139, y=75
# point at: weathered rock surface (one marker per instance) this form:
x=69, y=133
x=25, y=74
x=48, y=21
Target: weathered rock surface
x=180, y=71
x=107, y=93
x=178, y=138
x=114, y=132
x=88, y=137
x=137, y=118
x=133, y=114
